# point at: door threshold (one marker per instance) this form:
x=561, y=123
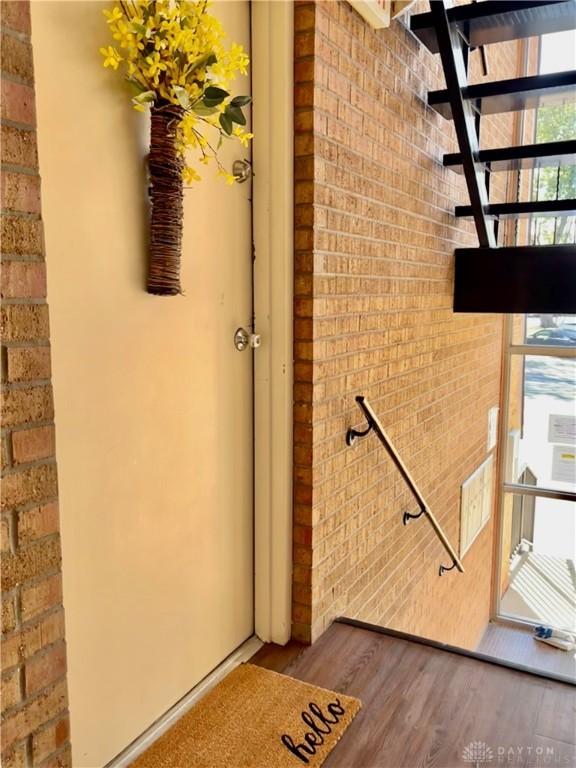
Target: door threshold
x=167, y=720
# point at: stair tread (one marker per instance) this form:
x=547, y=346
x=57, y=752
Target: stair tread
x=529, y=208
x=495, y=22
x=511, y=95
x=526, y=156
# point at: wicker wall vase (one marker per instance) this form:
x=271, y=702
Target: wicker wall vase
x=166, y=196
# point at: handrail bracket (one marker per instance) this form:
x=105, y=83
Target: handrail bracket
x=407, y=516
x=352, y=434
x=445, y=568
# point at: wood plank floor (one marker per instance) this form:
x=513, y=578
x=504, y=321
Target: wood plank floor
x=518, y=645
x=421, y=707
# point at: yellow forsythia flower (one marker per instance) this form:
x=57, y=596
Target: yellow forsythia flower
x=242, y=136
x=111, y=57
x=173, y=52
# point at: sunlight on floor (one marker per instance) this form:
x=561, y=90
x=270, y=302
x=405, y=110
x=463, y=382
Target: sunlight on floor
x=542, y=589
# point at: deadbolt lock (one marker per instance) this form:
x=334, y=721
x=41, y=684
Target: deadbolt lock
x=244, y=339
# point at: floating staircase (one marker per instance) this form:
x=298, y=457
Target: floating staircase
x=521, y=278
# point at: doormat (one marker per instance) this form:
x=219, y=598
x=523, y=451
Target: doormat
x=255, y=718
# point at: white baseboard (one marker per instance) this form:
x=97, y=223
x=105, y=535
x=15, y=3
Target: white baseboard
x=160, y=726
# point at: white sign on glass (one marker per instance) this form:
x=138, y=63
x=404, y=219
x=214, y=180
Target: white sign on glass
x=564, y=463
x=561, y=428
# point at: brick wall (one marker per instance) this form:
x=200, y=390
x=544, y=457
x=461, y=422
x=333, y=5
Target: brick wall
x=35, y=728
x=374, y=238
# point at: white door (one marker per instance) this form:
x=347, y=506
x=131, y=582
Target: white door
x=154, y=403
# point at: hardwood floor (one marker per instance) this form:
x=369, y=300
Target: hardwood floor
x=518, y=645
x=421, y=707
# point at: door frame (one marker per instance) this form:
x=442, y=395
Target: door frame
x=272, y=54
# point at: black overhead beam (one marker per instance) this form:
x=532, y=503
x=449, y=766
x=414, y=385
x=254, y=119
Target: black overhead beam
x=529, y=156
x=510, y=95
x=495, y=22
x=519, y=279
x=464, y=122
x=549, y=208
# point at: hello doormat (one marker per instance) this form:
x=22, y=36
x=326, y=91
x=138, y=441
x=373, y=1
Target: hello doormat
x=255, y=718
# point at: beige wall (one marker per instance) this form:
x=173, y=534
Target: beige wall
x=154, y=404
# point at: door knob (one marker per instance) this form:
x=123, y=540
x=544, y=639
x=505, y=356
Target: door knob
x=244, y=339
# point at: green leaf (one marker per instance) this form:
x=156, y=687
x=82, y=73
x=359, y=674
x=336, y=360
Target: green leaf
x=235, y=114
x=214, y=96
x=145, y=97
x=182, y=96
x=202, y=110
x=226, y=123
x=204, y=61
x=214, y=93
x=140, y=28
x=240, y=101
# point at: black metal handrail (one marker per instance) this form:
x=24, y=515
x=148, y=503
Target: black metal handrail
x=374, y=425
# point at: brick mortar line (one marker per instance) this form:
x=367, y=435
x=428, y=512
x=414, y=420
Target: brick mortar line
x=408, y=548
x=383, y=470
x=31, y=623
x=446, y=219
x=43, y=651
x=14, y=385
x=358, y=335
x=64, y=748
x=446, y=200
x=389, y=379
x=20, y=385
x=389, y=535
x=48, y=461
x=29, y=751
x=35, y=543
x=30, y=381
x=383, y=187
x=13, y=747
x=390, y=206
x=31, y=257
x=33, y=504
x=421, y=564
x=28, y=127
x=53, y=720
x=26, y=701
x=9, y=77
x=27, y=426
x=24, y=215
x=402, y=137
x=36, y=301
x=375, y=313
x=348, y=355
x=379, y=583
x=25, y=170
x=29, y=344
x=33, y=581
x=429, y=116
x=24, y=37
